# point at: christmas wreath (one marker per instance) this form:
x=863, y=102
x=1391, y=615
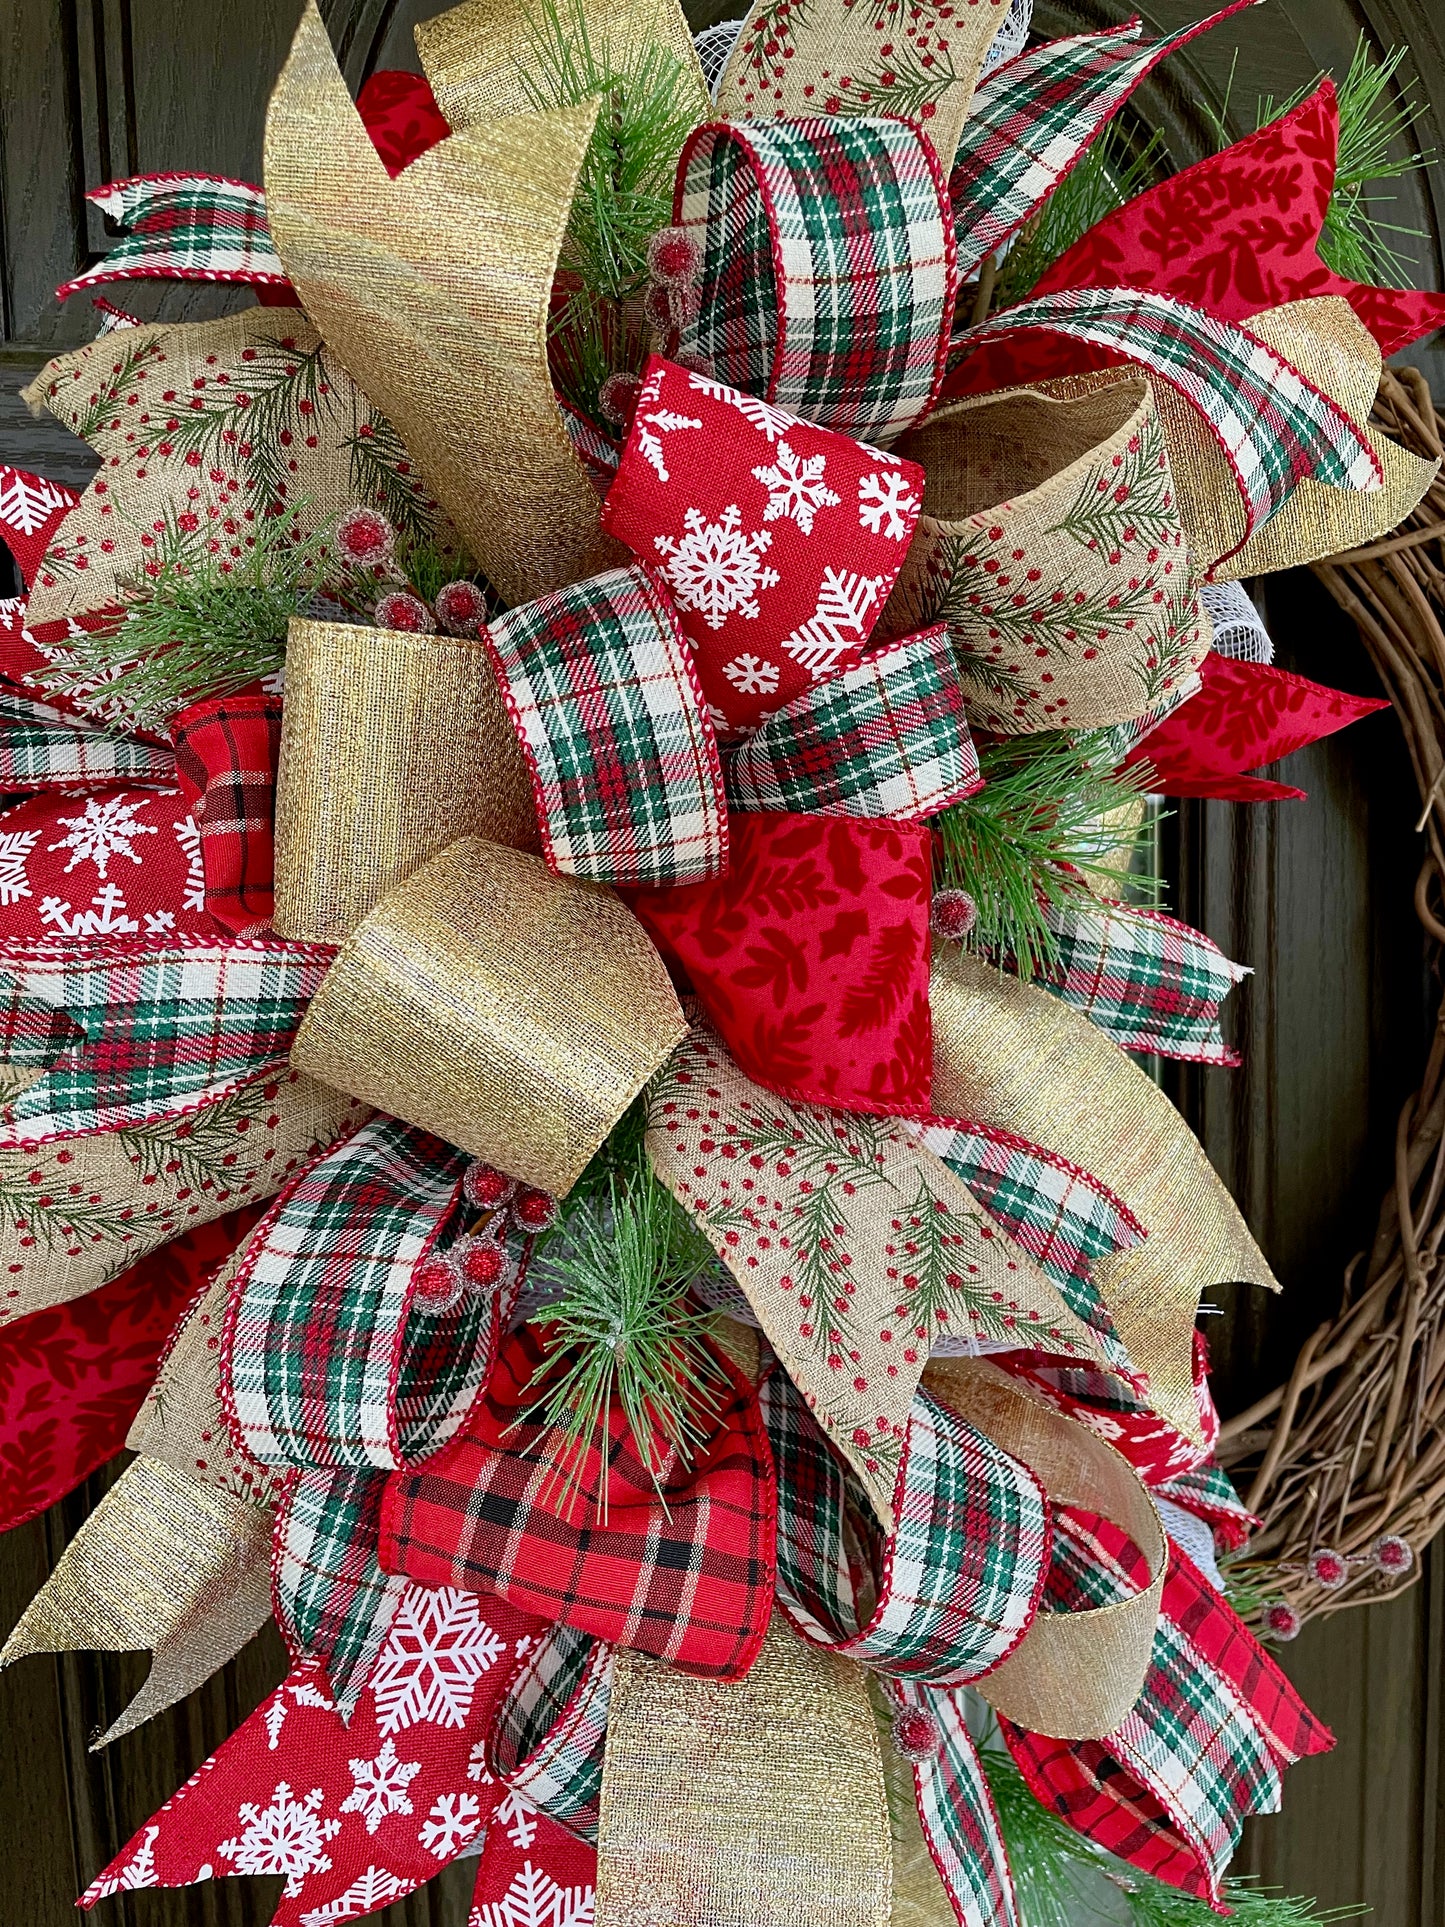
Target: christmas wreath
x=571, y=985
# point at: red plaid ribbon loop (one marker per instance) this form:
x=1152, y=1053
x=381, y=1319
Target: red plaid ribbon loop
x=686, y=1576
x=226, y=753
x=827, y=276
x=600, y=685
x=957, y=1583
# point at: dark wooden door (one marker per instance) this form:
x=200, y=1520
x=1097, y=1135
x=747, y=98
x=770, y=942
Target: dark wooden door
x=1315, y=896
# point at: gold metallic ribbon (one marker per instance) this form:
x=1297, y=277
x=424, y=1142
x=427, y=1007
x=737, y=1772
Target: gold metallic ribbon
x=826, y=57
x=1011, y=524
x=1073, y=1675
x=513, y=1012
x=433, y=290
x=475, y=55
x=1008, y=1054
x=761, y=1232
x=166, y=1565
x=392, y=746
x=757, y=1803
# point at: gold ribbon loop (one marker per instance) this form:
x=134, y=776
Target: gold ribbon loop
x=756, y=1803
x=513, y=1012
x=392, y=746
x=1008, y=1054
x=163, y=1565
x=433, y=289
x=1051, y=545
x=1074, y=1675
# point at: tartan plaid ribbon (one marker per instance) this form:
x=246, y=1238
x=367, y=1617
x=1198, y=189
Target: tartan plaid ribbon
x=828, y=274
x=958, y=1580
x=184, y=227
x=42, y=748
x=170, y=1023
x=1206, y=1743
x=326, y=1361
x=1058, y=1213
x=1150, y=982
x=1034, y=117
x=33, y=1033
x=956, y=1811
x=686, y=1576
x=1274, y=427
x=887, y=738
x=1208, y=1492
x=600, y=685
x=550, y=1734
x=226, y=753
x=331, y=1599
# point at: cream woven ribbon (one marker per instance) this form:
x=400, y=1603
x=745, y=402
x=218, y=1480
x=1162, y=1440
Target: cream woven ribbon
x=757, y=1803
x=166, y=1565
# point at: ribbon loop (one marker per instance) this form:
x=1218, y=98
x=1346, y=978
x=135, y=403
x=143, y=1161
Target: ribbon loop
x=513, y=1012
x=828, y=275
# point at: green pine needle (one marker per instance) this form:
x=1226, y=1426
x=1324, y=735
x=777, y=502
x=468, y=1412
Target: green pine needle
x=1109, y=174
x=625, y=1254
x=650, y=104
x=199, y=624
x=1032, y=837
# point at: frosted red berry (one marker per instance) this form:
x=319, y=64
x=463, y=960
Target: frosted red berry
x=440, y=1284
x=916, y=1733
x=400, y=609
x=673, y=257
x=484, y=1263
x=461, y=608
x=1281, y=1621
x=1328, y=1569
x=1392, y=1554
x=617, y=398
x=487, y=1188
x=365, y=537
x=534, y=1210
x=953, y=915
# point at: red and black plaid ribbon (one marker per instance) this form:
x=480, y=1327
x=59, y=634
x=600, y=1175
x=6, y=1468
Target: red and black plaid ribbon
x=226, y=753
x=686, y=1575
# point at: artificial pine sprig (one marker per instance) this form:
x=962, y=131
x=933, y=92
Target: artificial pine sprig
x=1049, y=816
x=624, y=1254
x=1107, y=176
x=1054, y=1869
x=650, y=104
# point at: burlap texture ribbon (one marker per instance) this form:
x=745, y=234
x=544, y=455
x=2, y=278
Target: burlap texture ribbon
x=475, y=55
x=758, y=1803
x=433, y=289
x=1073, y=1675
x=833, y=57
x=1051, y=544
x=1008, y=1054
x=1331, y=347
x=392, y=746
x=512, y=1012
x=166, y=1565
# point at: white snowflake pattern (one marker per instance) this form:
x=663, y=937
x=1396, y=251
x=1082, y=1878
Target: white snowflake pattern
x=138, y=1871
x=288, y=1836
x=188, y=835
x=837, y=625
x=885, y=505
x=751, y=675
x=104, y=830
x=438, y=1648
x=158, y=922
x=477, y=1768
x=452, y=1821
x=307, y=1693
x=653, y=424
x=768, y=420
x=517, y=1814
x=15, y=848
x=26, y=500
x=12, y=611
x=380, y=1786
x=715, y=568
x=106, y=916
x=534, y=1899
x=796, y=489
x=365, y=1894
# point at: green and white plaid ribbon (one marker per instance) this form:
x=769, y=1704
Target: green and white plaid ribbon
x=184, y=227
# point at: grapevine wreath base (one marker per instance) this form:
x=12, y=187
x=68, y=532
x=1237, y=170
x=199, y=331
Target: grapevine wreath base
x=585, y=1136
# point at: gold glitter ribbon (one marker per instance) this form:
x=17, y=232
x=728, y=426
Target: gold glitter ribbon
x=433, y=290
x=1008, y=1054
x=392, y=746
x=513, y=1012
x=756, y=1803
x=475, y=55
x=1066, y=610
x=828, y=57
x=1073, y=1675
x=163, y=1565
